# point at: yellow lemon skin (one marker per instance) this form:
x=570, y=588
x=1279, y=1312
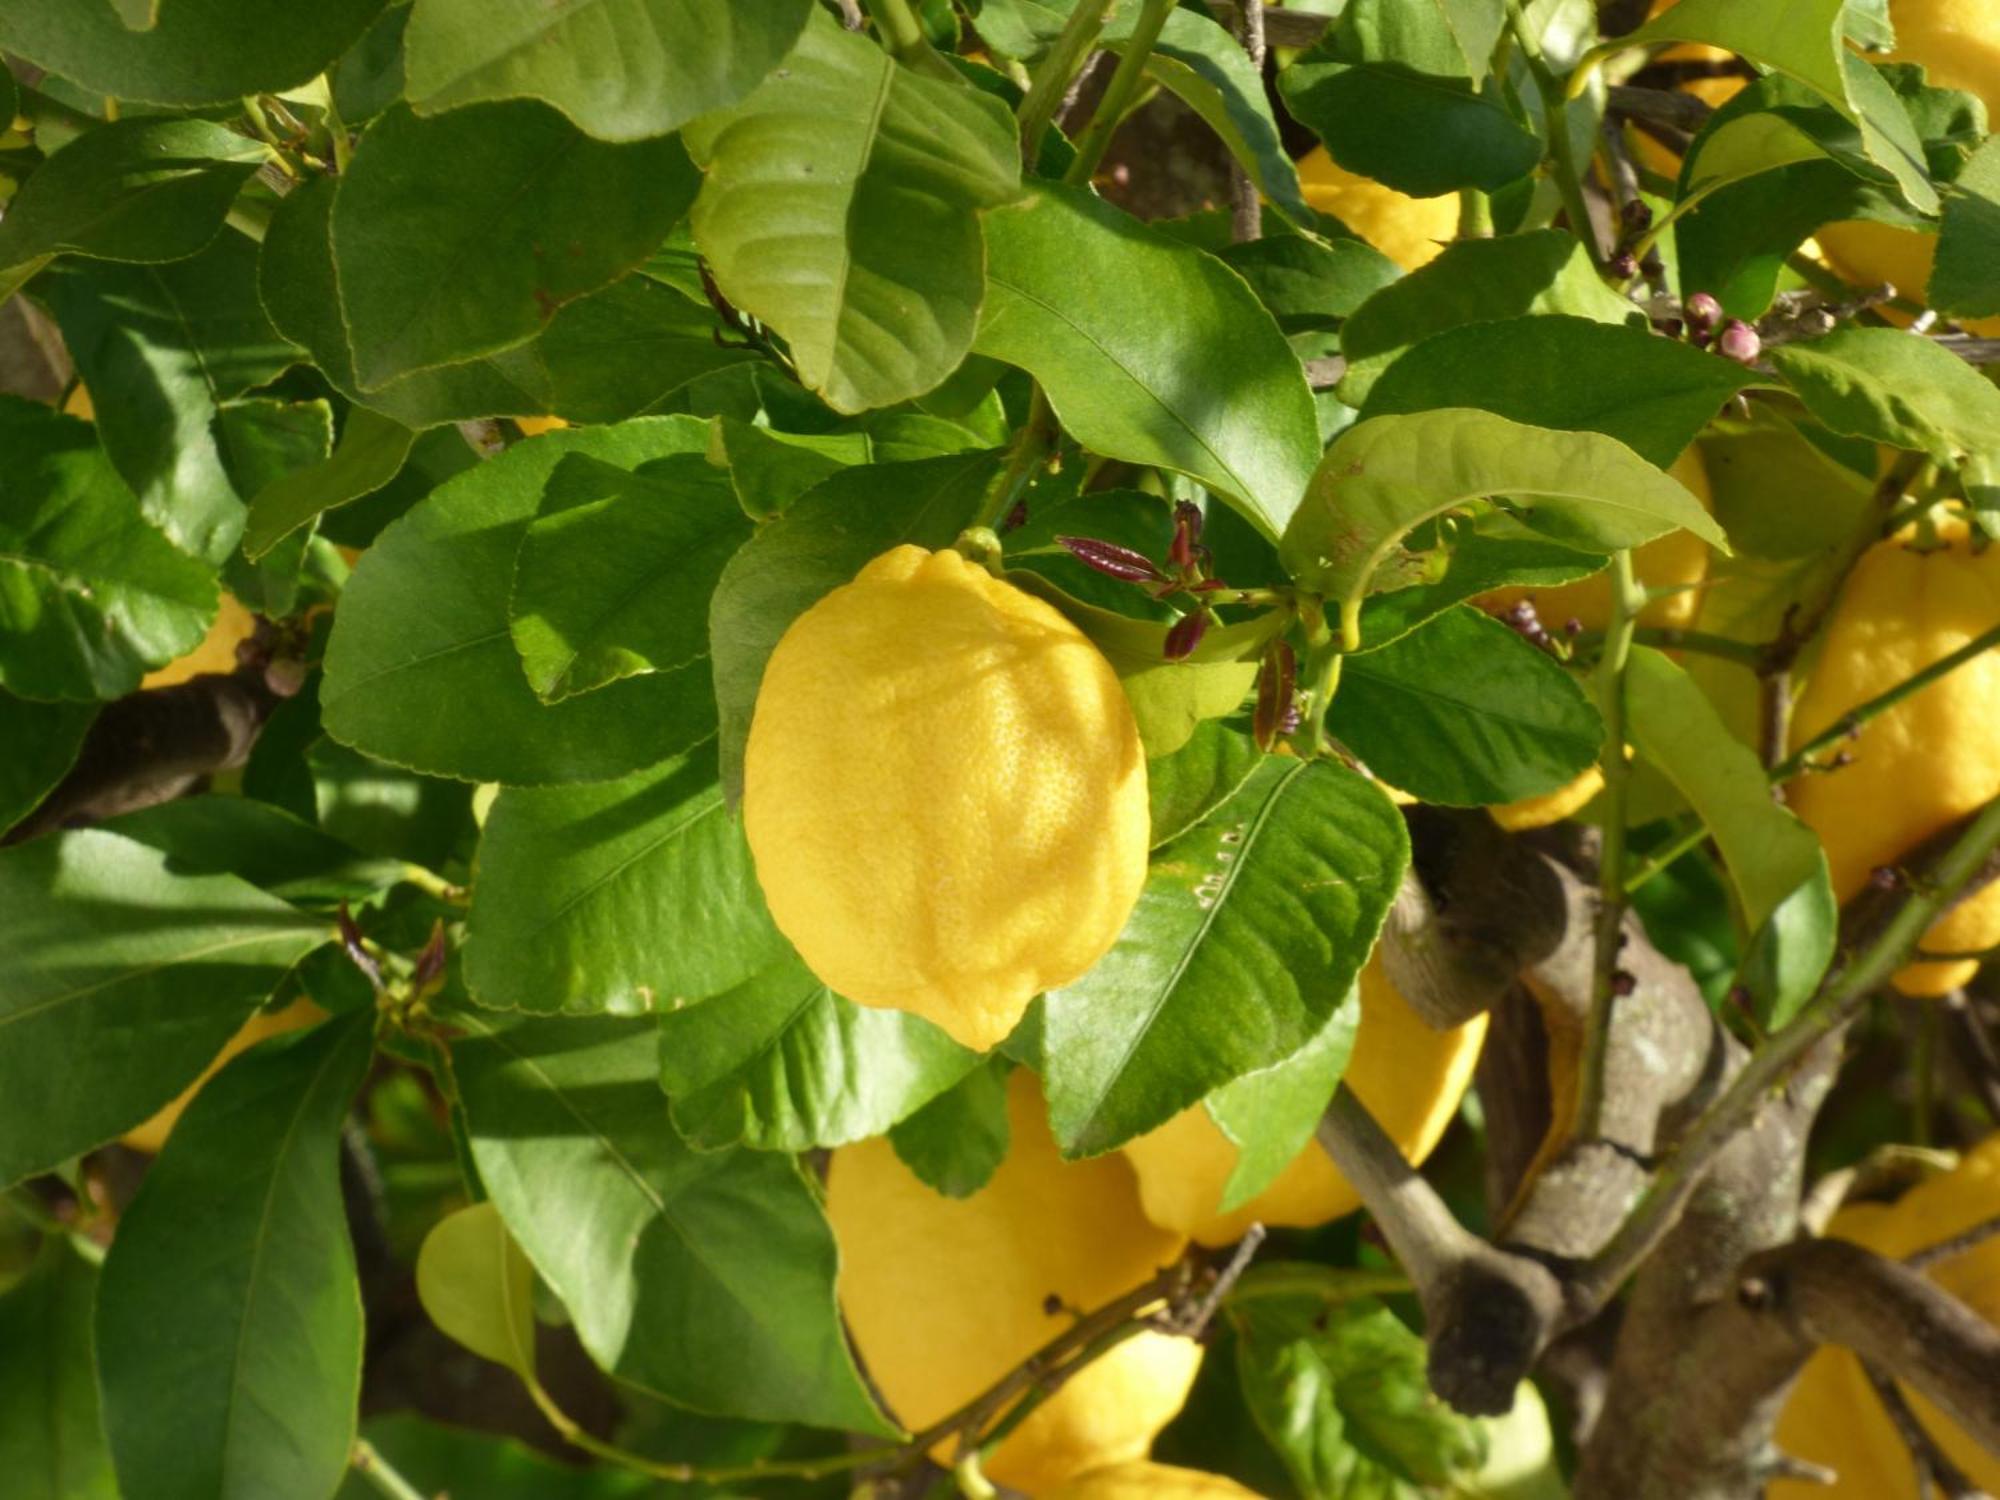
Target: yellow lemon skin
x=1410, y=1077
x=536, y=426
x=217, y=651
x=1410, y=231
x=300, y=1014
x=945, y=1295
x=1551, y=807
x=1150, y=1481
x=1928, y=761
x=1958, y=43
x=1678, y=560
x=1833, y=1416
x=945, y=794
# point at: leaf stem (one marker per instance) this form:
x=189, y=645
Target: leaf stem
x=367, y=1461
x=1626, y=600
x=1660, y=859
x=1054, y=73
x=1120, y=93
x=1555, y=110
x=1837, y=1002
x=904, y=36
x=1032, y=444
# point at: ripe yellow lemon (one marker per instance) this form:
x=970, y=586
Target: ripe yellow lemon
x=1833, y=1416
x=1958, y=43
x=1410, y=1077
x=1151, y=1481
x=536, y=426
x=1410, y=231
x=300, y=1014
x=1931, y=759
x=217, y=651
x=944, y=1295
x=945, y=794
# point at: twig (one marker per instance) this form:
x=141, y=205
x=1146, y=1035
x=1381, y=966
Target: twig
x=1609, y=927
x=1933, y=1465
x=1054, y=72
x=1774, y=714
x=1120, y=93
x=1246, y=207
x=1199, y=1316
x=1952, y=1248
x=1840, y=997
x=1562, y=155
x=1848, y=723
x=1682, y=111
x=367, y=1461
x=1984, y=1064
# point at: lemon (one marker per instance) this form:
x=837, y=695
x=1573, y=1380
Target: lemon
x=944, y=1296
x=1410, y=1077
x=217, y=651
x=1551, y=807
x=301, y=1013
x=1931, y=759
x=1958, y=43
x=1833, y=1416
x=945, y=794
x=1150, y=1481
x=1410, y=231
x=536, y=426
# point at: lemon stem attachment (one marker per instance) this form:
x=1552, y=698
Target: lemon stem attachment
x=980, y=544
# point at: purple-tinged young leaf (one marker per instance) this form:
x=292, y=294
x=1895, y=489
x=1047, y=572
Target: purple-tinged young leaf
x=1276, y=713
x=1111, y=559
x=1186, y=635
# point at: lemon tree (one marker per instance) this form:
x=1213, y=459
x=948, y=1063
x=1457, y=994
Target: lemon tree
x=1029, y=748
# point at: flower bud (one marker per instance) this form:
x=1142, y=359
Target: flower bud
x=1703, y=313
x=1739, y=341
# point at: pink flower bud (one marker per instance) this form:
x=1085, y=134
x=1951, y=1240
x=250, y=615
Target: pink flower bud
x=1703, y=313
x=1738, y=341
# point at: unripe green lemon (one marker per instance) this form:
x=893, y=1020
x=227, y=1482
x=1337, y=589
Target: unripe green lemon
x=945, y=794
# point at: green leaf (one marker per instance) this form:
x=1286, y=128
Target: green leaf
x=1473, y=281
x=242, y=1383
x=90, y=594
x=1965, y=278
x=1493, y=552
x=51, y=1438
x=1269, y=1115
x=769, y=470
x=1338, y=1388
x=812, y=548
x=1778, y=493
x=614, y=575
x=421, y=670
x=1866, y=23
x=133, y=190
x=1074, y=288
x=1191, y=783
x=39, y=742
x=1799, y=38
x=119, y=979
x=841, y=207
x=1246, y=939
x=271, y=849
x=1384, y=475
x=955, y=1143
x=1418, y=133
x=162, y=349
x=1888, y=134
x=1652, y=394
x=705, y=1278
x=370, y=453
x=1309, y=284
x=623, y=352
x=781, y=1063
x=629, y=895
x=445, y=1461
x=1775, y=862
x=464, y=234
x=1464, y=712
x=621, y=70
x=1883, y=385
x=478, y=1287
x=201, y=52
